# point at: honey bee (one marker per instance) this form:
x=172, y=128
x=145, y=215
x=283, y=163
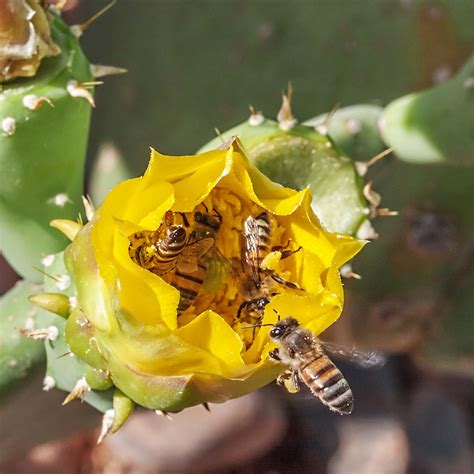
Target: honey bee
x=258, y=285
x=309, y=363
x=169, y=247
x=190, y=281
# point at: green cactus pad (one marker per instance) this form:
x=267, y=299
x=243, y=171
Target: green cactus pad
x=303, y=157
x=354, y=129
x=18, y=355
x=42, y=155
x=436, y=125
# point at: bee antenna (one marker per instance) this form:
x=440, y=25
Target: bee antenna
x=277, y=313
x=256, y=326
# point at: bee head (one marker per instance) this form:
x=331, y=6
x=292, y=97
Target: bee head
x=283, y=328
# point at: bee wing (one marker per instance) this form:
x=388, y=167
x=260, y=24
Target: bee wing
x=188, y=258
x=218, y=270
x=361, y=358
x=250, y=243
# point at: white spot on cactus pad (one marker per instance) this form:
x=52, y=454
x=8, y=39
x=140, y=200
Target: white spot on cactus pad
x=48, y=260
x=107, y=423
x=48, y=383
x=366, y=231
x=322, y=129
x=441, y=74
x=256, y=119
x=53, y=333
x=12, y=363
x=9, y=125
x=33, y=102
x=354, y=126
x=73, y=302
x=469, y=82
x=60, y=200
x=63, y=282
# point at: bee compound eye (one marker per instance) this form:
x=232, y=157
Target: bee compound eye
x=275, y=332
x=198, y=216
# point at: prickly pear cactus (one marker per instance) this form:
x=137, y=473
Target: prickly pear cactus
x=44, y=126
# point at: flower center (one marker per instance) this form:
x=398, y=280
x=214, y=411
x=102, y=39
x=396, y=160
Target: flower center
x=229, y=259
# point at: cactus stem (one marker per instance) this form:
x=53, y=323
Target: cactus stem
x=363, y=166
x=256, y=118
x=164, y=413
x=56, y=303
x=75, y=89
x=67, y=227
x=79, y=391
x=101, y=70
x=88, y=207
x=107, y=423
x=33, y=102
x=286, y=120
x=78, y=30
x=50, y=333
x=346, y=272
x=206, y=406
x=48, y=383
x=9, y=125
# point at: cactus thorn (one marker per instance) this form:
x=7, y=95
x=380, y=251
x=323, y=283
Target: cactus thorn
x=75, y=89
x=50, y=333
x=48, y=383
x=164, y=413
x=363, y=166
x=101, y=70
x=88, y=207
x=60, y=4
x=9, y=125
x=56, y=303
x=78, y=30
x=346, y=272
x=256, y=117
x=79, y=391
x=33, y=102
x=56, y=279
x=67, y=227
x=206, y=406
x=373, y=197
x=286, y=120
x=385, y=212
x=107, y=423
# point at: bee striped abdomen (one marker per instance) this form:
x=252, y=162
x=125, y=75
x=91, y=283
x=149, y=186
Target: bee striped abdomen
x=189, y=285
x=327, y=382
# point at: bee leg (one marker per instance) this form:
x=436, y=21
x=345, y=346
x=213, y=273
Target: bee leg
x=295, y=378
x=286, y=283
x=284, y=377
x=284, y=252
x=274, y=355
x=244, y=305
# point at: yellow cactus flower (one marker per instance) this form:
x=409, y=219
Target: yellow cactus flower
x=127, y=321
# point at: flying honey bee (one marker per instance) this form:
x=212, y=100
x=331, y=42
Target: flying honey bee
x=259, y=285
x=168, y=248
x=306, y=356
